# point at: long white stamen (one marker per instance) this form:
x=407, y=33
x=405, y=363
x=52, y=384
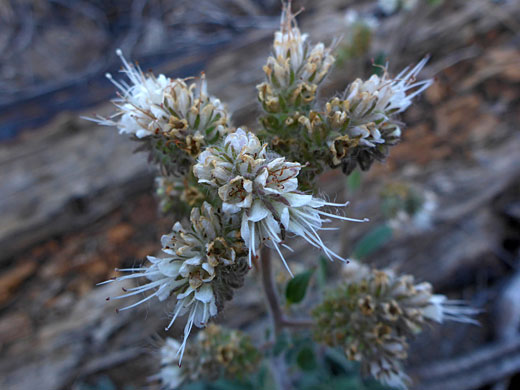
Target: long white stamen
x=174, y=317
x=288, y=248
x=283, y=259
x=323, y=246
x=187, y=331
x=343, y=218
x=144, y=287
x=253, y=241
x=142, y=300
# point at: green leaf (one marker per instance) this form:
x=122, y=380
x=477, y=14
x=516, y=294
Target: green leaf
x=297, y=287
x=354, y=181
x=306, y=359
x=337, y=362
x=372, y=241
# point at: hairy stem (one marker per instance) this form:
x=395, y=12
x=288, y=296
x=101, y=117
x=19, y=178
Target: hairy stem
x=270, y=290
x=277, y=315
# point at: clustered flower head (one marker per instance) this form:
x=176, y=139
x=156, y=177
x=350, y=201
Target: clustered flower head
x=246, y=192
x=360, y=126
x=191, y=271
x=373, y=313
x=216, y=352
x=262, y=188
x=353, y=130
x=174, y=120
x=407, y=207
x=259, y=204
x=295, y=68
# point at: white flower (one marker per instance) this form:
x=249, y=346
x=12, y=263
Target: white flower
x=441, y=309
x=188, y=273
x=169, y=351
x=263, y=189
x=165, y=279
x=294, y=59
x=418, y=220
x=381, y=96
x=150, y=105
x=171, y=377
x=366, y=115
x=289, y=44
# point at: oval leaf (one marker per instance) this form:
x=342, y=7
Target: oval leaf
x=297, y=287
x=372, y=241
x=306, y=359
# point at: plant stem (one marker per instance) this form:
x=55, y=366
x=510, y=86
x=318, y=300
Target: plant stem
x=270, y=290
x=277, y=315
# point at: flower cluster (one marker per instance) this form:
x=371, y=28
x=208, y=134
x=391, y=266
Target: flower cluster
x=245, y=193
x=406, y=207
x=174, y=120
x=360, y=127
x=349, y=131
x=294, y=70
x=262, y=188
x=196, y=271
x=216, y=353
x=374, y=312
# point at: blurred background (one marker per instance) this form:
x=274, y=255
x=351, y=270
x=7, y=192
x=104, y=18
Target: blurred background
x=75, y=202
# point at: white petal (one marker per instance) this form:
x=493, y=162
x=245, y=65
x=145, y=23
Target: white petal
x=258, y=211
x=169, y=268
x=230, y=208
x=204, y=293
x=297, y=200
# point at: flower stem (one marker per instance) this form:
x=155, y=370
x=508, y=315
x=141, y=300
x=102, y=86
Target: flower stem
x=270, y=290
x=277, y=315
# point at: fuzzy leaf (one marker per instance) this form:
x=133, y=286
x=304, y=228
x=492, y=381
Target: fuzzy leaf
x=297, y=287
x=372, y=241
x=306, y=359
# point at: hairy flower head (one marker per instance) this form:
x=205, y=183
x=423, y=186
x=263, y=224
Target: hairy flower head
x=172, y=118
x=295, y=68
x=216, y=353
x=373, y=313
x=262, y=188
x=362, y=125
x=191, y=271
x=151, y=105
